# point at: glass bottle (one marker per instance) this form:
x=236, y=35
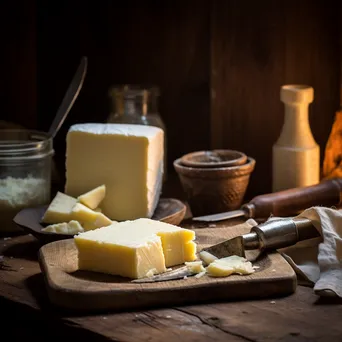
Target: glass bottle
x=136, y=104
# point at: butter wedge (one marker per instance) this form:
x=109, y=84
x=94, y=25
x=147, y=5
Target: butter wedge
x=135, y=249
x=59, y=210
x=94, y=197
x=72, y=228
x=89, y=219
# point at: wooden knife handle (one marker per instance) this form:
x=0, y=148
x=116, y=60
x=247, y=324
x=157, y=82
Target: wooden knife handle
x=290, y=202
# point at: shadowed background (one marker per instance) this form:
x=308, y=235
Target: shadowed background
x=219, y=65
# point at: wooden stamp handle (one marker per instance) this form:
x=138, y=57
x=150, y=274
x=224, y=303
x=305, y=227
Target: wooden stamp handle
x=292, y=201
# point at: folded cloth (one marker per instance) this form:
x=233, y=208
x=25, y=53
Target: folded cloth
x=318, y=262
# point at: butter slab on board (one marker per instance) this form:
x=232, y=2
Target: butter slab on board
x=85, y=291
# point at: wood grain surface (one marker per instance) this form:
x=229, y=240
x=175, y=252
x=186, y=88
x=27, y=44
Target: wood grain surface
x=299, y=317
x=85, y=291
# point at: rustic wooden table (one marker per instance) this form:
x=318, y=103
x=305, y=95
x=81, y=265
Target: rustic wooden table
x=26, y=312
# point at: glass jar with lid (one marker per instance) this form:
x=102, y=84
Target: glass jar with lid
x=137, y=104
x=25, y=173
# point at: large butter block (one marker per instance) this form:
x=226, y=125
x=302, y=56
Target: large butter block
x=135, y=249
x=127, y=159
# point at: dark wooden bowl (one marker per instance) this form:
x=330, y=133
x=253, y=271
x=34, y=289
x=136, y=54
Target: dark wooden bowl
x=214, y=158
x=169, y=210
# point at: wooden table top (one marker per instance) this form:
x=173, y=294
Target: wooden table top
x=26, y=311
x=23, y=300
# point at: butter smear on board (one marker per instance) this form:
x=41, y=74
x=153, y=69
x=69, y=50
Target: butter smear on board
x=128, y=159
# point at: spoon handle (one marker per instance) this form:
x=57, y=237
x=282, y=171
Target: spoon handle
x=69, y=97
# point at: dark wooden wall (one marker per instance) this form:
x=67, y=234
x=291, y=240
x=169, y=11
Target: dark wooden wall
x=256, y=47
x=164, y=43
x=219, y=64
x=18, y=69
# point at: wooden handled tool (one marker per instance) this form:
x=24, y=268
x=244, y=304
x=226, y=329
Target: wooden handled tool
x=285, y=203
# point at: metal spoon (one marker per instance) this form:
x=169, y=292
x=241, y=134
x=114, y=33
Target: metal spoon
x=69, y=97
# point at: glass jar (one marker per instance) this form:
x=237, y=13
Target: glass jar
x=136, y=104
x=25, y=173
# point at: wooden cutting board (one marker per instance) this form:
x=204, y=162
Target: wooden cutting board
x=72, y=289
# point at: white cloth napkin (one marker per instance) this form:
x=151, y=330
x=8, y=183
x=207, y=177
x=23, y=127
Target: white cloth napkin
x=318, y=262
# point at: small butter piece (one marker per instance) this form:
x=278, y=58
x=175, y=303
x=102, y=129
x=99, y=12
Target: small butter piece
x=230, y=265
x=152, y=272
x=94, y=197
x=136, y=248
x=201, y=274
x=72, y=228
x=195, y=266
x=59, y=210
x=207, y=257
x=89, y=218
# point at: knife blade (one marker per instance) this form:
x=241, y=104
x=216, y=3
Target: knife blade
x=221, y=216
x=284, y=203
x=179, y=273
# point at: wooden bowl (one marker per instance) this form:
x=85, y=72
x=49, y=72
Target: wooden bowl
x=214, y=158
x=214, y=190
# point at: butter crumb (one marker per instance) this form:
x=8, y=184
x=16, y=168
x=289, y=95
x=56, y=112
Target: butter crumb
x=151, y=272
x=200, y=275
x=195, y=267
x=207, y=257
